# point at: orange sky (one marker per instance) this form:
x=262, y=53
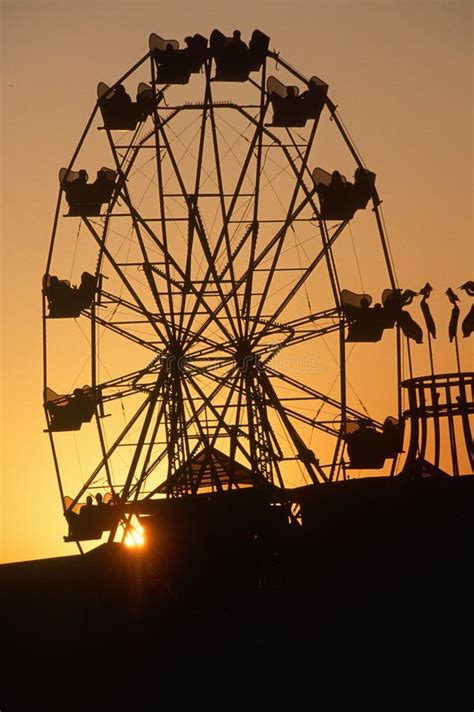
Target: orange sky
x=401, y=75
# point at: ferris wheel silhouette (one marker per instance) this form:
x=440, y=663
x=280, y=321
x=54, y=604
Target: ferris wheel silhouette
x=180, y=282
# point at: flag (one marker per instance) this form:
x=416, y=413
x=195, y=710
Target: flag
x=453, y=322
x=468, y=287
x=429, y=321
x=409, y=327
x=467, y=325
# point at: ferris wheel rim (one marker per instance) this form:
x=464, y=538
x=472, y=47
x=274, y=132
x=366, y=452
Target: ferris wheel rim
x=253, y=327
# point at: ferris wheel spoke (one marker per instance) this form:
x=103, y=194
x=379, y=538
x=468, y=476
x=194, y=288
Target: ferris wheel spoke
x=302, y=418
x=237, y=433
x=132, y=151
x=306, y=455
x=208, y=354
x=194, y=214
x=163, y=221
x=169, y=280
x=331, y=313
x=264, y=104
x=136, y=227
x=108, y=297
x=197, y=413
x=252, y=228
x=294, y=335
x=251, y=271
x=151, y=467
x=129, y=335
x=331, y=265
x=376, y=204
x=198, y=294
x=221, y=237
x=226, y=216
x=330, y=262
x=214, y=316
x=318, y=395
x=310, y=199
x=297, y=173
x=124, y=279
x=225, y=223
x=258, y=260
x=197, y=184
x=221, y=414
x=110, y=451
x=137, y=488
x=129, y=384
x=200, y=302
x=293, y=165
x=203, y=435
x=151, y=406
x=308, y=271
x=125, y=160
x=286, y=225
x=296, y=338
x=238, y=415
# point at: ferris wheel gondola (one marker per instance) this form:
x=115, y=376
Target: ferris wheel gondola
x=202, y=240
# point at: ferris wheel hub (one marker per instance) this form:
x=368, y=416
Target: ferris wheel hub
x=245, y=358
x=173, y=360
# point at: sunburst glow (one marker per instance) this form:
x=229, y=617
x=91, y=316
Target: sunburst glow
x=135, y=535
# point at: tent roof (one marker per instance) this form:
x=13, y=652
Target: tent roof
x=210, y=469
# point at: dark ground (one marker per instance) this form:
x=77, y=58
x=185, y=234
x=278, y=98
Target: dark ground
x=369, y=605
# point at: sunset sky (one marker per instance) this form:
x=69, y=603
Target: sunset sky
x=401, y=74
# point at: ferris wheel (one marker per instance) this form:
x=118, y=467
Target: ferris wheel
x=201, y=294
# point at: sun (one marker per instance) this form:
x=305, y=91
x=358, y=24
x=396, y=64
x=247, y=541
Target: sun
x=135, y=535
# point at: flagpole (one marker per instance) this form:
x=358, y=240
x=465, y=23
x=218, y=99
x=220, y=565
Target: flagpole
x=409, y=358
x=458, y=360
x=431, y=354
x=430, y=325
x=453, y=324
